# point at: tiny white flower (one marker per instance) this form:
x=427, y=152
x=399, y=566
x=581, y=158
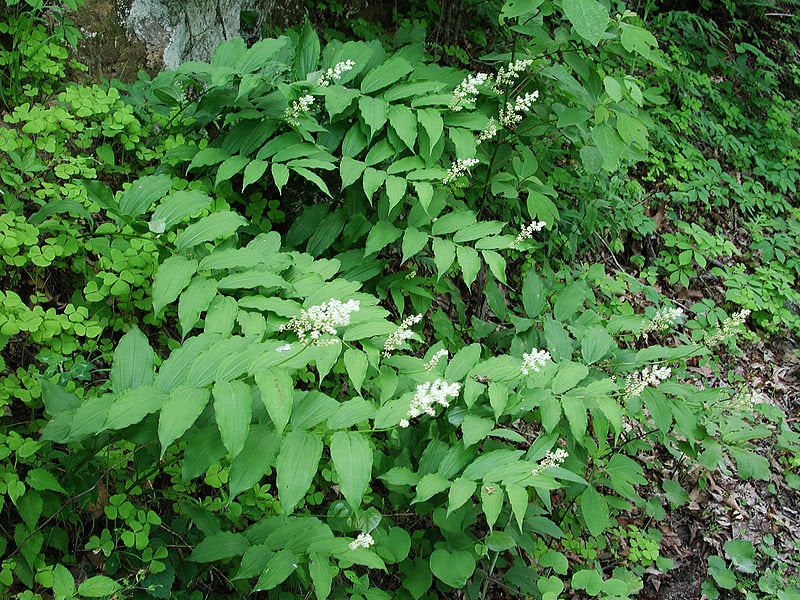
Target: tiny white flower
x=511, y=114
x=404, y=423
x=534, y=361
x=324, y=318
x=298, y=107
x=663, y=320
x=553, y=459
x=335, y=72
x=467, y=91
x=429, y=394
x=635, y=383
x=400, y=335
x=729, y=328
x=363, y=540
x=284, y=348
x=435, y=359
x=527, y=232
x=459, y=168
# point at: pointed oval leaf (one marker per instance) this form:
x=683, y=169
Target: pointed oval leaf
x=233, y=406
x=296, y=466
x=180, y=411
x=172, y=276
x=133, y=362
x=352, y=458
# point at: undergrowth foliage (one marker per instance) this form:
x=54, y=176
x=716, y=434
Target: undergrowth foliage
x=302, y=321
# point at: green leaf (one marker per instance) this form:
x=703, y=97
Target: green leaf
x=194, y=301
x=588, y=17
x=595, y=344
x=395, y=190
x=609, y=143
x=404, y=123
x=296, y=467
x=385, y=75
x=276, y=388
x=461, y=490
x=313, y=178
x=63, y=583
x=444, y=253
x=749, y=464
x=452, y=568
x=249, y=280
x=219, y=546
x=533, y=294
x=254, y=460
x=221, y=315
x=374, y=111
x=496, y=263
x=352, y=458
x=491, y=502
x=382, y=234
x=220, y=224
x=470, y=263
x=742, y=553
x=322, y=572
x=431, y=121
x=569, y=375
x=143, y=193
x=306, y=54
x=178, y=206
x=131, y=406
x=172, y=276
x=350, y=170
x=723, y=576
x=356, y=363
x=184, y=405
x=518, y=499
x=39, y=479
x=253, y=172
x=280, y=175
x=98, y=586
x=133, y=362
x=233, y=406
x=475, y=429
x=589, y=580
x=230, y=167
x=430, y=485
x=414, y=241
x=594, y=509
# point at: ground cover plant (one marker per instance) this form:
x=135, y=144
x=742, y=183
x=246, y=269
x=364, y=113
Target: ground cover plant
x=354, y=313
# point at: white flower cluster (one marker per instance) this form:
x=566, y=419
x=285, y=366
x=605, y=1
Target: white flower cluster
x=335, y=72
x=743, y=401
x=298, y=107
x=508, y=75
x=488, y=133
x=467, y=91
x=728, y=329
x=527, y=232
x=652, y=376
x=459, y=168
x=400, y=335
x=435, y=359
x=663, y=320
x=534, y=361
x=428, y=396
x=551, y=461
x=511, y=114
x=363, y=540
x=324, y=318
